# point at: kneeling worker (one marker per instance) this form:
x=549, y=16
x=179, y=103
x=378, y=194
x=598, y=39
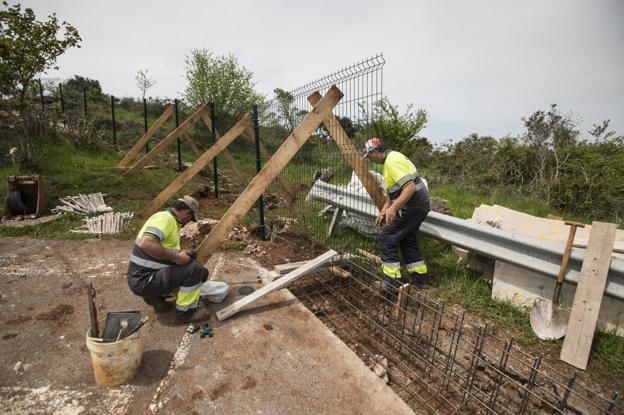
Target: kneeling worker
x=406, y=207
x=158, y=267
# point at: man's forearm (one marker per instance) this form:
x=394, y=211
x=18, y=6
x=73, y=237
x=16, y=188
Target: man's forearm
x=406, y=194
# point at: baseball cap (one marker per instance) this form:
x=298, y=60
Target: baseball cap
x=192, y=204
x=372, y=144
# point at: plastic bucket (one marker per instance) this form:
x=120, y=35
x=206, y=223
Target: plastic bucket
x=117, y=362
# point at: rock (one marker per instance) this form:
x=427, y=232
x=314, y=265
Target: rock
x=379, y=367
x=18, y=367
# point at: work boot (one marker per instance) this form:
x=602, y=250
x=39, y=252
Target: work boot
x=158, y=304
x=192, y=315
x=421, y=280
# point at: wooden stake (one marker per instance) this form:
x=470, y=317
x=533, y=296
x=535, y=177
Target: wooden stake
x=275, y=285
x=166, y=142
x=195, y=168
x=268, y=173
x=399, y=308
x=588, y=297
x=351, y=154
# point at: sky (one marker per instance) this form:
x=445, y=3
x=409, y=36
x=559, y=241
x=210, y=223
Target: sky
x=475, y=66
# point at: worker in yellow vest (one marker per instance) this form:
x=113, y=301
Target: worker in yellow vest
x=406, y=207
x=158, y=267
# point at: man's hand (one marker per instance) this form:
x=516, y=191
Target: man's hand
x=380, y=218
x=183, y=258
x=391, y=213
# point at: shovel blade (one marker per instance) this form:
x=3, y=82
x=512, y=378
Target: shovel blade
x=548, y=321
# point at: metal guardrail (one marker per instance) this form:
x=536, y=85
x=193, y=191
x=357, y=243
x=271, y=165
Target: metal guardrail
x=523, y=251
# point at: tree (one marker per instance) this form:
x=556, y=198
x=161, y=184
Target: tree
x=144, y=82
x=399, y=131
x=549, y=136
x=29, y=47
x=222, y=80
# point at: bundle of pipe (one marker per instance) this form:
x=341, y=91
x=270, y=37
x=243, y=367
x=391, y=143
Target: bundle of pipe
x=108, y=222
x=84, y=204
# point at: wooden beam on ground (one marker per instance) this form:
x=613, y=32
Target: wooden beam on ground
x=195, y=168
x=370, y=256
x=275, y=285
x=166, y=142
x=268, y=173
x=150, y=132
x=401, y=304
x=226, y=153
x=291, y=266
x=588, y=297
x=351, y=154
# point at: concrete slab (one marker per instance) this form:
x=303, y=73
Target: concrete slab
x=275, y=358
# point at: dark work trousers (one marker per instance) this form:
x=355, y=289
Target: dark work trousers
x=166, y=280
x=401, y=234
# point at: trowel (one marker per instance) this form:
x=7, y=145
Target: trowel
x=549, y=321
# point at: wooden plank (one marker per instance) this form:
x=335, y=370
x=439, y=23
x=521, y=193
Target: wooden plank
x=352, y=156
x=589, y=292
x=370, y=256
x=401, y=304
x=275, y=285
x=166, y=142
x=195, y=168
x=268, y=173
x=291, y=266
x=226, y=153
x=287, y=190
x=150, y=132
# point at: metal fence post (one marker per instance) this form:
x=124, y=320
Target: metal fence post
x=145, y=123
x=84, y=97
x=113, y=114
x=41, y=92
x=214, y=140
x=62, y=99
x=178, y=139
x=256, y=127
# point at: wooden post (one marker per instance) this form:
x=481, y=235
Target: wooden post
x=399, y=307
x=351, y=154
x=195, y=168
x=269, y=172
x=588, y=297
x=275, y=285
x=226, y=153
x=166, y=142
x=141, y=143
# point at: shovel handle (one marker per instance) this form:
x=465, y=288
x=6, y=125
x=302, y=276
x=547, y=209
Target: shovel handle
x=566, y=258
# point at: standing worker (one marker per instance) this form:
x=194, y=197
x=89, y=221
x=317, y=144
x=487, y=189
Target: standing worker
x=406, y=207
x=158, y=267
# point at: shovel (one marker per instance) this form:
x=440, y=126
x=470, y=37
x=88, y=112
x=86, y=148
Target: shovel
x=548, y=320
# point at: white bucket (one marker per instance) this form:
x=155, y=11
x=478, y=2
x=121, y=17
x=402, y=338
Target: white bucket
x=117, y=362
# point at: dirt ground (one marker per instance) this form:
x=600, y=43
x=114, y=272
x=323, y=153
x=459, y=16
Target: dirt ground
x=275, y=358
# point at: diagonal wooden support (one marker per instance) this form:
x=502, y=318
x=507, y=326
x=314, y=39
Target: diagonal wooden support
x=166, y=142
x=351, y=154
x=275, y=285
x=195, y=168
x=141, y=143
x=226, y=153
x=268, y=173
